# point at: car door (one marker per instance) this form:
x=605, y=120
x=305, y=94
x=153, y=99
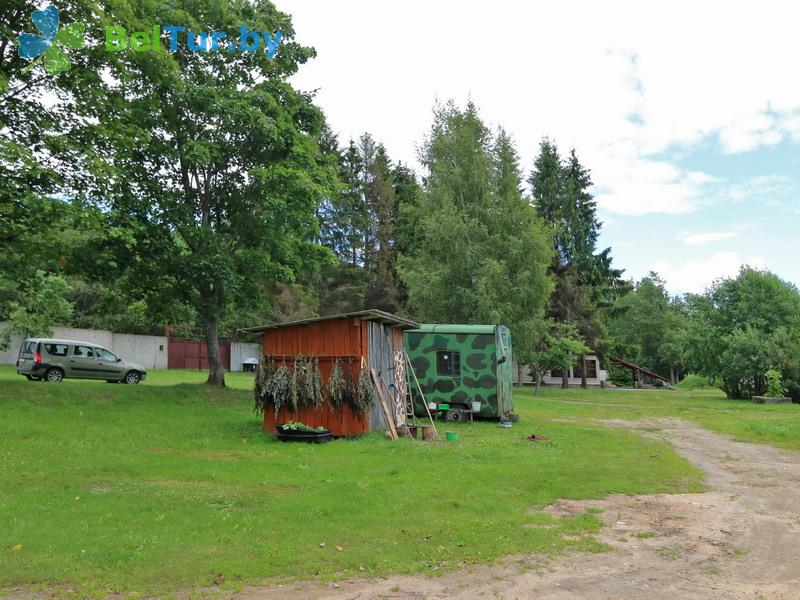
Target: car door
x=82, y=363
x=108, y=365
x=26, y=352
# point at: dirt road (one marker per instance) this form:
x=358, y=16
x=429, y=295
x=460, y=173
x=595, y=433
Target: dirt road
x=739, y=540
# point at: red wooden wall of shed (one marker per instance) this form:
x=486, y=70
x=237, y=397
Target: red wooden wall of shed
x=326, y=339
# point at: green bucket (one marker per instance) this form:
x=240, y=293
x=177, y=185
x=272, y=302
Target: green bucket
x=452, y=436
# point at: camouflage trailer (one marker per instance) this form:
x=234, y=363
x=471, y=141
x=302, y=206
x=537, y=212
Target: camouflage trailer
x=461, y=364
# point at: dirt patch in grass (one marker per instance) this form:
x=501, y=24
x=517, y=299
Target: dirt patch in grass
x=739, y=540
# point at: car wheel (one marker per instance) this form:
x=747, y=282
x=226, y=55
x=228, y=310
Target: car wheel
x=54, y=375
x=456, y=415
x=132, y=377
x=29, y=377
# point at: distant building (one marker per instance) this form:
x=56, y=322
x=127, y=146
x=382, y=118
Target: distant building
x=595, y=376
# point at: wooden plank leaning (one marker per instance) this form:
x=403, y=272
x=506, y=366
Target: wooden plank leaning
x=386, y=412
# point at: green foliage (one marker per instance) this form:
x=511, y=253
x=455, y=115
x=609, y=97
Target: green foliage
x=295, y=426
x=562, y=200
x=775, y=387
x=743, y=327
x=362, y=224
x=558, y=348
x=39, y=309
x=648, y=327
x=213, y=157
x=481, y=254
x=585, y=282
x=694, y=382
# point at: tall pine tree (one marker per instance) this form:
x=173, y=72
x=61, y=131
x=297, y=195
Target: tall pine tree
x=483, y=254
x=585, y=280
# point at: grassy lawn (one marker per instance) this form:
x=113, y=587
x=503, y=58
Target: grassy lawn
x=153, y=488
x=774, y=424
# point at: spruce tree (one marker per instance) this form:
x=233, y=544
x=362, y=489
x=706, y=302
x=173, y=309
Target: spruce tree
x=585, y=280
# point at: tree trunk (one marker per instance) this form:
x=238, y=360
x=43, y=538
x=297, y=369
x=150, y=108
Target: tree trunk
x=584, y=384
x=519, y=374
x=672, y=375
x=565, y=379
x=538, y=384
x=216, y=370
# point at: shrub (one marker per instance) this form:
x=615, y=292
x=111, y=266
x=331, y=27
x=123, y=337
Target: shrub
x=694, y=382
x=775, y=387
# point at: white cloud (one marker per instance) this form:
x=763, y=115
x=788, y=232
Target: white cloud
x=698, y=239
x=627, y=83
x=696, y=275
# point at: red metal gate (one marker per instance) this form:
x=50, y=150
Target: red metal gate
x=193, y=354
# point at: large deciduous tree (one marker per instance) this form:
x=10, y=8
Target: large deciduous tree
x=215, y=155
x=38, y=159
x=742, y=327
x=649, y=327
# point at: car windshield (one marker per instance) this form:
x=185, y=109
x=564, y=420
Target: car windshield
x=103, y=354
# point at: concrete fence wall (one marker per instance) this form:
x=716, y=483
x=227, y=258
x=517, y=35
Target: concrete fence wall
x=150, y=351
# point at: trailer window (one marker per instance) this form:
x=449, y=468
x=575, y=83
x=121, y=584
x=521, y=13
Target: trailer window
x=448, y=363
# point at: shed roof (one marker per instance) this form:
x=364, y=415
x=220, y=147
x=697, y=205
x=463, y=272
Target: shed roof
x=454, y=328
x=364, y=315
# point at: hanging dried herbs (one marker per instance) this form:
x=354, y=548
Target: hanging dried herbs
x=281, y=387
x=262, y=385
x=298, y=382
x=337, y=385
x=316, y=380
x=350, y=391
x=299, y=385
x=366, y=392
x=306, y=383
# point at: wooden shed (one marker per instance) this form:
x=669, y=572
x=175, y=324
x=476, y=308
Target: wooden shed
x=370, y=339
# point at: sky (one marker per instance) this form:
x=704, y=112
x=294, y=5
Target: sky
x=687, y=113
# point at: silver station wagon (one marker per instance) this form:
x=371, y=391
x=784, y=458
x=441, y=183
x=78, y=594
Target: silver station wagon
x=53, y=360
